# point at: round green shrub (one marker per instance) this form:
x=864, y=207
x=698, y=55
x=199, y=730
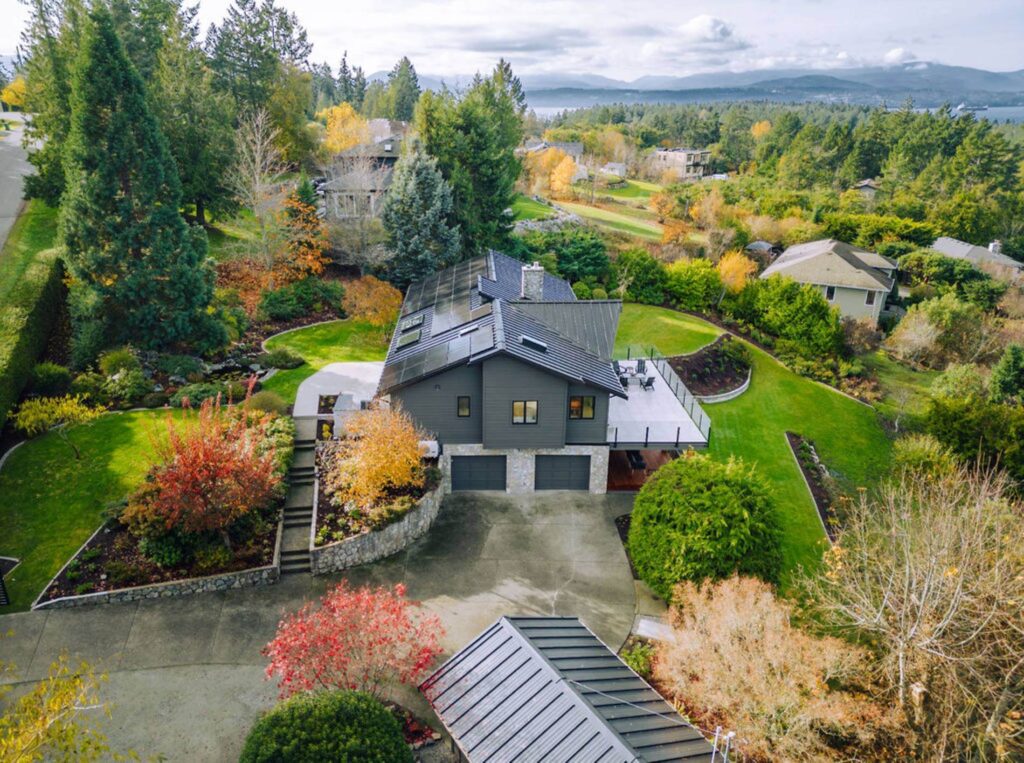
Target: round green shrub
x=50, y=379
x=120, y=359
x=342, y=727
x=922, y=454
x=696, y=518
x=155, y=400
x=127, y=386
x=598, y=293
x=90, y=386
x=181, y=365
x=196, y=394
x=581, y=290
x=281, y=357
x=268, y=401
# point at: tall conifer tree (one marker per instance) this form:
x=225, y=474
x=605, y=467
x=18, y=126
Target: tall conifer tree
x=140, y=273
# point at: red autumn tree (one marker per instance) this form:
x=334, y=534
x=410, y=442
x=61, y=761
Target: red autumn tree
x=212, y=469
x=358, y=639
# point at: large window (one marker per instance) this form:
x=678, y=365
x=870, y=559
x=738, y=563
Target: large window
x=463, y=406
x=830, y=293
x=524, y=411
x=581, y=406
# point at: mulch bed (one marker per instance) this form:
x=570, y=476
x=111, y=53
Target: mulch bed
x=112, y=560
x=803, y=450
x=710, y=370
x=622, y=525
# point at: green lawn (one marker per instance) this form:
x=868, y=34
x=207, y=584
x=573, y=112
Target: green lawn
x=847, y=434
x=225, y=236
x=34, y=231
x=904, y=390
x=616, y=221
x=319, y=345
x=635, y=189
x=668, y=332
x=525, y=208
x=53, y=503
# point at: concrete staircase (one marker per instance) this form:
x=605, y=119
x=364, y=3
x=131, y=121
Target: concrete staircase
x=298, y=507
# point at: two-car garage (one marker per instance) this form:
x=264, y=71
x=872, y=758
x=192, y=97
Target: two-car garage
x=491, y=472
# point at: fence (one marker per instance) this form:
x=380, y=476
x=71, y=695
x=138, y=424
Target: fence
x=686, y=398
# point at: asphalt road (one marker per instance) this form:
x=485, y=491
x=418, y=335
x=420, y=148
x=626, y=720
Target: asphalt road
x=13, y=167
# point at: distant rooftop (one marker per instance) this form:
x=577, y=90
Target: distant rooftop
x=834, y=263
x=961, y=250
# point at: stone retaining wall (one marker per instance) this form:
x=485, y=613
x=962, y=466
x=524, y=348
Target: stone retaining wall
x=730, y=395
x=372, y=546
x=257, y=576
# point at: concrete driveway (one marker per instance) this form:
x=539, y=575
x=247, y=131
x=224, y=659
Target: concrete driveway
x=186, y=675
x=13, y=167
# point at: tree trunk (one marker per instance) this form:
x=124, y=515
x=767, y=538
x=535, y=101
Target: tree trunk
x=200, y=212
x=227, y=541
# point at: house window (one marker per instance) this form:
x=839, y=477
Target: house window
x=870, y=299
x=463, y=407
x=830, y=293
x=581, y=407
x=524, y=411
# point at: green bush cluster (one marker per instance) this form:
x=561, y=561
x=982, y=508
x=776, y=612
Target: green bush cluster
x=871, y=230
x=268, y=401
x=198, y=393
x=50, y=380
x=337, y=726
x=27, y=315
x=641, y=276
x=118, y=359
x=693, y=284
x=310, y=295
x=281, y=357
x=696, y=519
x=931, y=274
x=185, y=366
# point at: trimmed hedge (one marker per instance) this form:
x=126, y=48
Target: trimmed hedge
x=337, y=726
x=696, y=518
x=27, y=315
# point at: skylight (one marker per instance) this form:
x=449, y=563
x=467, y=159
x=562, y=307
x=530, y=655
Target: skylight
x=534, y=344
x=406, y=339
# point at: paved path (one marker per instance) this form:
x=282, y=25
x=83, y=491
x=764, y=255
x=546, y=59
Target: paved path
x=13, y=166
x=186, y=675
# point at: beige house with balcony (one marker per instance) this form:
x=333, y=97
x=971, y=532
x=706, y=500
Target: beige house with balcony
x=854, y=280
x=686, y=164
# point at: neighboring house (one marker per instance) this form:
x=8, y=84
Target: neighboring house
x=854, y=280
x=547, y=689
x=867, y=188
x=361, y=178
x=976, y=255
x=513, y=377
x=381, y=129
x=686, y=164
x=614, y=169
x=761, y=248
x=574, y=150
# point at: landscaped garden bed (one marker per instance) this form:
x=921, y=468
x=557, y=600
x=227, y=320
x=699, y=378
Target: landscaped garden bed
x=208, y=508
x=721, y=367
x=818, y=481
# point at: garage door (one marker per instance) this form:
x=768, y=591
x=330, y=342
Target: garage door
x=562, y=473
x=478, y=472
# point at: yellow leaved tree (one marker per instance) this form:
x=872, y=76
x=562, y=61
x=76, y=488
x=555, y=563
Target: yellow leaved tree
x=760, y=129
x=345, y=128
x=735, y=270
x=14, y=94
x=562, y=176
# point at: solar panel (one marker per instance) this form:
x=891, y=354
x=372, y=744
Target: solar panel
x=436, y=358
x=406, y=339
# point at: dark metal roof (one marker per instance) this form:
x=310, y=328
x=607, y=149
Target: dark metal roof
x=546, y=688
x=456, y=316
x=591, y=324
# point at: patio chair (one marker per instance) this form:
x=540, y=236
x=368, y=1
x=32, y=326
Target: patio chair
x=648, y=384
x=617, y=368
x=636, y=461
x=641, y=366
x=624, y=381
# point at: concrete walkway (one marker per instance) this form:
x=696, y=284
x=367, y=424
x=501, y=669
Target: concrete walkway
x=358, y=379
x=186, y=675
x=13, y=167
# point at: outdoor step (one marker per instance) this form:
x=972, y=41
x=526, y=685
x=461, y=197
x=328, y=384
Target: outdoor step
x=299, y=495
x=295, y=569
x=301, y=522
x=299, y=480
x=305, y=430
x=304, y=459
x=304, y=517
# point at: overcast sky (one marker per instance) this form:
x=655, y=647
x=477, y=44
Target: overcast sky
x=626, y=40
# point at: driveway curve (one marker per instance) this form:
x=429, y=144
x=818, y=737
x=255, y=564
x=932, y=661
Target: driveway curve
x=186, y=675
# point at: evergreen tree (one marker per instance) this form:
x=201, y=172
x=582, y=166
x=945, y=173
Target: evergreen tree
x=358, y=88
x=403, y=90
x=1008, y=375
x=144, y=26
x=416, y=216
x=140, y=273
x=196, y=119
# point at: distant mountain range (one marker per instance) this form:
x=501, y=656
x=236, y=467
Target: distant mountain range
x=929, y=84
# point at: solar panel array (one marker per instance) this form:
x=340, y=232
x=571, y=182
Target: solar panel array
x=448, y=291
x=436, y=354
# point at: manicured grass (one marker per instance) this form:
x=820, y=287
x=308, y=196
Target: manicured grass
x=668, y=332
x=617, y=221
x=334, y=342
x=34, y=231
x=635, y=189
x=226, y=236
x=525, y=208
x=904, y=390
x=53, y=503
x=847, y=434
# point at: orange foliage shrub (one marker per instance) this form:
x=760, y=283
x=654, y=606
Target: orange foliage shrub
x=663, y=205
x=371, y=300
x=380, y=453
x=675, y=232
x=737, y=660
x=306, y=242
x=735, y=270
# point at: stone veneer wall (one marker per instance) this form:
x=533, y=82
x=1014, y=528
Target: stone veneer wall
x=256, y=576
x=372, y=546
x=520, y=464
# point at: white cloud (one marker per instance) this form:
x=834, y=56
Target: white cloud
x=898, y=56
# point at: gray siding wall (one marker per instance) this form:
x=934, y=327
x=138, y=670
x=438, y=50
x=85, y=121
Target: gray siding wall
x=852, y=303
x=505, y=380
x=433, y=404
x=587, y=431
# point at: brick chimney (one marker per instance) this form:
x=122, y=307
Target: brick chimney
x=533, y=282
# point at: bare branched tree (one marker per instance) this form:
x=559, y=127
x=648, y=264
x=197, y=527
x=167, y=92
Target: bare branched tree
x=256, y=180
x=931, y=575
x=354, y=194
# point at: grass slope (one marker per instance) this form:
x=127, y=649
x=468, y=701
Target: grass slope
x=904, y=390
x=634, y=189
x=525, y=208
x=847, y=434
x=34, y=231
x=53, y=503
x=617, y=221
x=334, y=342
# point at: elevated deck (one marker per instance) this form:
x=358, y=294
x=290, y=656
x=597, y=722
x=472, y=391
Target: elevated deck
x=665, y=417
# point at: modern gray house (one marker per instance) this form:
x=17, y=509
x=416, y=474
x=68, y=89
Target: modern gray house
x=514, y=379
